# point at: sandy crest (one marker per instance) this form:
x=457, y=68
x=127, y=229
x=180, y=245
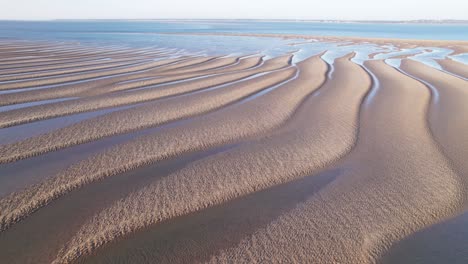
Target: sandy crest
x=227, y=125
x=116, y=83
x=455, y=67
x=221, y=76
x=450, y=96
x=382, y=146
x=78, y=77
x=148, y=115
x=373, y=203
x=322, y=130
x=61, y=71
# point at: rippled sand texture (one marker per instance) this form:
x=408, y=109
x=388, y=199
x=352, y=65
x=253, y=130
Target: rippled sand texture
x=108, y=144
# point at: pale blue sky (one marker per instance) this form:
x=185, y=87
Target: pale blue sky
x=264, y=9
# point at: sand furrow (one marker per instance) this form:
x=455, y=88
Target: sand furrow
x=167, y=77
x=80, y=88
x=58, y=221
x=43, y=55
x=46, y=54
x=448, y=115
x=322, y=131
x=14, y=62
x=94, y=69
x=139, y=65
x=78, y=77
x=27, y=66
x=455, y=67
x=96, y=65
x=148, y=115
x=210, y=65
x=49, y=58
x=73, y=52
x=61, y=67
x=20, y=116
x=68, y=53
x=294, y=149
x=157, y=65
x=63, y=52
x=178, y=72
x=233, y=123
x=110, y=84
x=393, y=183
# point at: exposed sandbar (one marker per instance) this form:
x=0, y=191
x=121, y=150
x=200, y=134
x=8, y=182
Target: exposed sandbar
x=233, y=123
x=374, y=203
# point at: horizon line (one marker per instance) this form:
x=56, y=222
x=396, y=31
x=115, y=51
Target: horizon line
x=421, y=20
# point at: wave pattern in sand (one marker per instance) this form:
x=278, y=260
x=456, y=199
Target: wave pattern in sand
x=392, y=130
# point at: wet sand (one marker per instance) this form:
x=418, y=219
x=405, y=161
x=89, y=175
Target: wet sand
x=355, y=154
x=455, y=67
x=372, y=205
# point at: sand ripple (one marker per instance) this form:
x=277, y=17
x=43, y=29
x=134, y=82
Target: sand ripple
x=391, y=139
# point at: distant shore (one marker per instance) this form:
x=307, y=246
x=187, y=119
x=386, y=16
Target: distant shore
x=417, y=21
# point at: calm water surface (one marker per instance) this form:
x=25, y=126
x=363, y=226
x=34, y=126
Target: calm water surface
x=145, y=33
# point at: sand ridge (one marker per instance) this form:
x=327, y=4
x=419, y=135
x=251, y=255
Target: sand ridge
x=55, y=80
x=449, y=96
x=221, y=76
x=116, y=83
x=144, y=116
x=223, y=126
x=85, y=67
x=376, y=133
x=307, y=143
x=455, y=67
x=359, y=215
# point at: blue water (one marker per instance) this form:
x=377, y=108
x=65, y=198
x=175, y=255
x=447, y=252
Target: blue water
x=113, y=29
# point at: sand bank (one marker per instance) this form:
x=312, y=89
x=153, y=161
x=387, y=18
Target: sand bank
x=380, y=143
x=373, y=204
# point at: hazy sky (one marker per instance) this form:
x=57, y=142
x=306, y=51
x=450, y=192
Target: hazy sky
x=269, y=9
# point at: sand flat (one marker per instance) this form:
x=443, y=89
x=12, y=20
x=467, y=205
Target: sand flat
x=129, y=80
x=20, y=116
x=319, y=142
x=450, y=95
x=75, y=89
x=143, y=116
x=218, y=128
x=319, y=149
x=61, y=71
x=356, y=217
